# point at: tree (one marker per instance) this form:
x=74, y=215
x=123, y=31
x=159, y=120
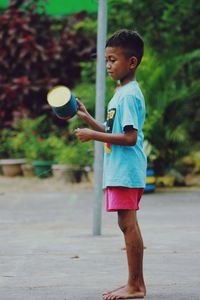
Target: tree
x=36, y=52
x=169, y=27
x=169, y=73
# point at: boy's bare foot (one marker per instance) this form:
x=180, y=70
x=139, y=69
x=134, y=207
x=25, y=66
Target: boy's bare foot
x=125, y=292
x=109, y=292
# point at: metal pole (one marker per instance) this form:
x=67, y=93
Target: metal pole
x=100, y=111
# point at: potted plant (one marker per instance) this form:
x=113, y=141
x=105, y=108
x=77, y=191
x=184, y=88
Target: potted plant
x=12, y=157
x=76, y=158
x=41, y=154
x=35, y=142
x=54, y=145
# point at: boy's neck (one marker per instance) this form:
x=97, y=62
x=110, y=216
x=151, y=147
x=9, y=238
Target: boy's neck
x=125, y=81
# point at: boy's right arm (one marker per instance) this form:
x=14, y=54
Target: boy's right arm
x=84, y=115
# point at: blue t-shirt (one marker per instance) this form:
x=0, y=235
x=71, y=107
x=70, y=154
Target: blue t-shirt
x=125, y=165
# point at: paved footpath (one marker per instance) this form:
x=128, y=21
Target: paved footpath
x=47, y=251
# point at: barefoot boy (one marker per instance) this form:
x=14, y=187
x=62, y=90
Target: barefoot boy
x=124, y=160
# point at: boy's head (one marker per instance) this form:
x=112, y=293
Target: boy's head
x=129, y=41
x=124, y=51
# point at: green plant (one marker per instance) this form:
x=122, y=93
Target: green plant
x=43, y=148
x=9, y=148
x=76, y=154
x=38, y=148
x=167, y=95
x=32, y=139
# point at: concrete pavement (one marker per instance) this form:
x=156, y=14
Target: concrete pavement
x=47, y=251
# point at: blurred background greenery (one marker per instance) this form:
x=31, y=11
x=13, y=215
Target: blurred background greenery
x=39, y=50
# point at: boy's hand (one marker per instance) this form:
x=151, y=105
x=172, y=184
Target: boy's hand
x=82, y=111
x=84, y=134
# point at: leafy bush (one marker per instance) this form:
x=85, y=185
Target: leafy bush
x=30, y=138
x=76, y=154
x=9, y=148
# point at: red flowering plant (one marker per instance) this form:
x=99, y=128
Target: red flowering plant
x=36, y=52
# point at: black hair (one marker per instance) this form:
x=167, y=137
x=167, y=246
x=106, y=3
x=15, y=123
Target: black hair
x=129, y=41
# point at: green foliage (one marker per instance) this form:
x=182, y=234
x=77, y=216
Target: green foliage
x=31, y=139
x=9, y=148
x=32, y=126
x=88, y=26
x=76, y=154
x=162, y=81
x=40, y=148
x=169, y=27
x=167, y=94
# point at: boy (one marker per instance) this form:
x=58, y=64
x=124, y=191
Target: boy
x=124, y=160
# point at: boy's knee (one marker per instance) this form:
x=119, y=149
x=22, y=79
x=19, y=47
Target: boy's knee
x=123, y=227
x=127, y=220
x=127, y=225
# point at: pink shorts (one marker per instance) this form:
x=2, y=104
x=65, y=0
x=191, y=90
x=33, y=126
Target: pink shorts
x=119, y=198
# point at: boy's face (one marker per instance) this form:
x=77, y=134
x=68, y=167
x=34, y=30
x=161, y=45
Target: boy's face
x=120, y=66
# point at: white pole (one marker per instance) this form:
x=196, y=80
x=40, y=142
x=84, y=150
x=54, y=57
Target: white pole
x=100, y=111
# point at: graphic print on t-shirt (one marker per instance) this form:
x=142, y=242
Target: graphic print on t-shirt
x=109, y=126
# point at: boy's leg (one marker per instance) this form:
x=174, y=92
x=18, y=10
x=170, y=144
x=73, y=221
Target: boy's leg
x=108, y=292
x=142, y=276
x=135, y=287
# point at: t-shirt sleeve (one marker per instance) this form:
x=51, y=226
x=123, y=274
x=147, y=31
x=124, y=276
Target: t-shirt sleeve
x=129, y=112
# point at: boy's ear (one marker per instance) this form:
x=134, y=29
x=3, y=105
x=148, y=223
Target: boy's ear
x=133, y=62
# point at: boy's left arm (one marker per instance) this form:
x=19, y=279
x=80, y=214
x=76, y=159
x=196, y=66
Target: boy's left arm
x=129, y=138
